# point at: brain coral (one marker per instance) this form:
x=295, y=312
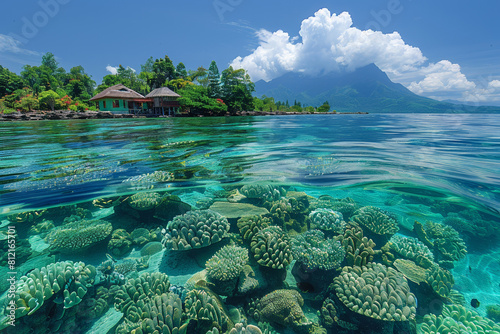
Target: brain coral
x=78, y=236
x=195, y=229
x=377, y=223
x=315, y=252
x=68, y=279
x=328, y=220
x=283, y=307
x=271, y=248
x=376, y=291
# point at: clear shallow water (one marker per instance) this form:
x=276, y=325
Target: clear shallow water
x=419, y=167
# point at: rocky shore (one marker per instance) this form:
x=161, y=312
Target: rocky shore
x=66, y=114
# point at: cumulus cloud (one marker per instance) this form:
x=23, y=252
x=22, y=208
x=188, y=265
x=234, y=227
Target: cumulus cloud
x=329, y=43
x=10, y=44
x=112, y=69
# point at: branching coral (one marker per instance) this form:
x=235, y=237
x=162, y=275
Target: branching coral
x=195, y=229
x=315, y=252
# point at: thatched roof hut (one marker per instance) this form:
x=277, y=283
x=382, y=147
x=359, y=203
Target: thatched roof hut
x=118, y=92
x=163, y=92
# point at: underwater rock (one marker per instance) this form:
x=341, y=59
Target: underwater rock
x=195, y=229
x=78, y=236
x=271, y=248
x=237, y=210
x=151, y=248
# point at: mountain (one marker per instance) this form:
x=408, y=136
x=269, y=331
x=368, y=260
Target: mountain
x=365, y=89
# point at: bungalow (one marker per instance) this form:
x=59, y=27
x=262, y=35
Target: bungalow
x=120, y=99
x=164, y=100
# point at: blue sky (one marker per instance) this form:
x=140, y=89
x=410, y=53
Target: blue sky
x=441, y=49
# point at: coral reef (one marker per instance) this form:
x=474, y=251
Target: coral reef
x=283, y=307
x=440, y=280
x=227, y=263
x=446, y=241
x=195, y=229
x=67, y=279
x=457, y=319
x=376, y=291
x=144, y=201
x=264, y=192
x=78, y=236
x=411, y=270
x=271, y=248
x=359, y=249
x=249, y=226
x=315, y=252
x=149, y=180
x=376, y=223
x=346, y=206
x=328, y=220
x=205, y=310
x=411, y=249
x=120, y=243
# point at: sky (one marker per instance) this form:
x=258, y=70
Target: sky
x=447, y=50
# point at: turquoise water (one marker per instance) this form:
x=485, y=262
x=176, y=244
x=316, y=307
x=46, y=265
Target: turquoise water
x=439, y=168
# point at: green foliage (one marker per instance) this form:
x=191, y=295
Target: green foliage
x=196, y=99
x=237, y=89
x=9, y=82
x=181, y=71
x=214, y=80
x=48, y=99
x=164, y=71
x=27, y=101
x=325, y=107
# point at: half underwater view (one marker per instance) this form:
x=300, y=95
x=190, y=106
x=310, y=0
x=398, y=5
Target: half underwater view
x=371, y=223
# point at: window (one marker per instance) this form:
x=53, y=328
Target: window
x=116, y=104
x=104, y=105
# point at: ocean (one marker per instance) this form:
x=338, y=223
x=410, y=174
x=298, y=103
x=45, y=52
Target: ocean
x=376, y=223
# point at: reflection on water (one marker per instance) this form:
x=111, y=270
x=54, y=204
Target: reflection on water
x=410, y=198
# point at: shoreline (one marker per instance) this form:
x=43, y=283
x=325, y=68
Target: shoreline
x=67, y=115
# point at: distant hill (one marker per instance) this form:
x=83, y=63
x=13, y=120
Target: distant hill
x=366, y=89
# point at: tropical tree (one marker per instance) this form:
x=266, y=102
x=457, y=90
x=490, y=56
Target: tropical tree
x=9, y=82
x=237, y=89
x=164, y=71
x=48, y=99
x=181, y=72
x=214, y=80
x=195, y=99
x=325, y=107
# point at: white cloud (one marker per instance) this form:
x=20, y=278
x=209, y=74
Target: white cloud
x=12, y=45
x=329, y=42
x=112, y=69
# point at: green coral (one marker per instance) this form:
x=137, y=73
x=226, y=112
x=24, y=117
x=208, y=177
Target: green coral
x=205, y=310
x=249, y=226
x=120, y=243
x=138, y=291
x=283, y=307
x=271, y=248
x=265, y=192
x=78, y=236
x=411, y=249
x=144, y=201
x=346, y=206
x=328, y=220
x=447, y=242
x=69, y=280
x=159, y=314
x=456, y=319
x=227, y=263
x=379, y=224
x=314, y=251
x=195, y=229
x=359, y=249
x=440, y=280
x=376, y=291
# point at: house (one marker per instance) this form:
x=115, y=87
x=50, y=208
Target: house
x=120, y=99
x=165, y=101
